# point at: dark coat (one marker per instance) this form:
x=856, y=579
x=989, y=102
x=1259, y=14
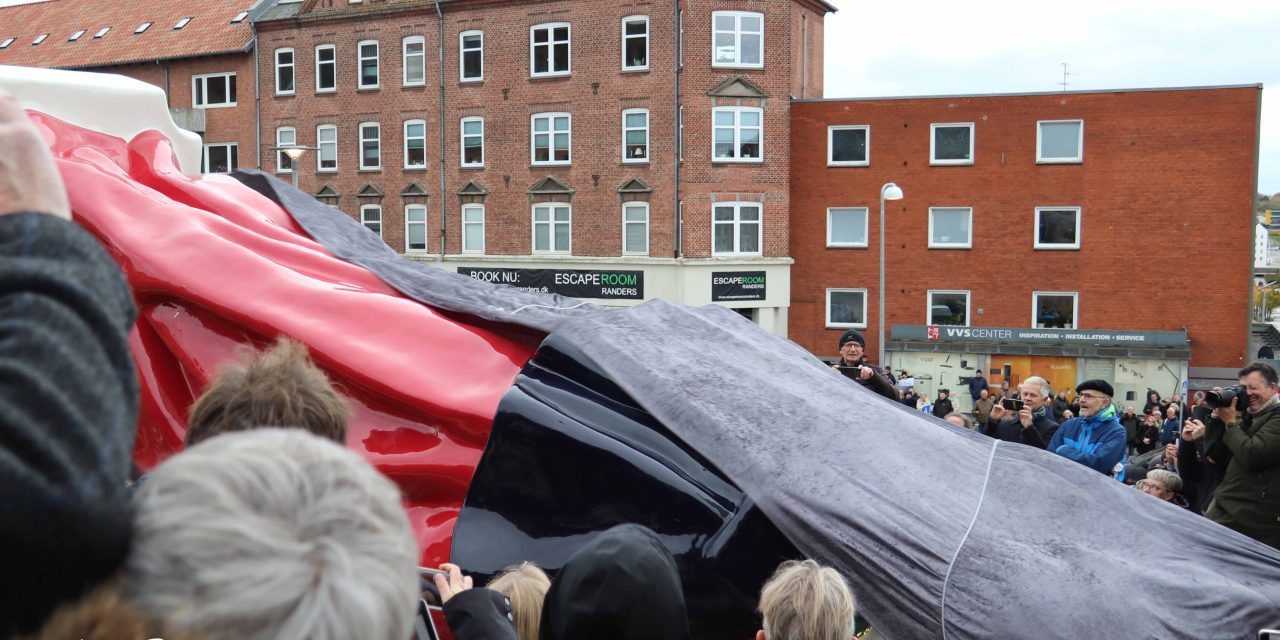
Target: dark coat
x=1248, y=500
x=943, y=407
x=1011, y=430
x=976, y=385
x=480, y=614
x=882, y=382
x=1151, y=433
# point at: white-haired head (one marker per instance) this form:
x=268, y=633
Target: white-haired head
x=277, y=534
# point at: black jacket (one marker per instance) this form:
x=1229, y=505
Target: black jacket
x=1010, y=429
x=480, y=614
x=943, y=407
x=882, y=382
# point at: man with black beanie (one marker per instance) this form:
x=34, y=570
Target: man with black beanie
x=854, y=364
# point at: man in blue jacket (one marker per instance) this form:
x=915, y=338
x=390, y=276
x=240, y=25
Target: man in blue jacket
x=1095, y=439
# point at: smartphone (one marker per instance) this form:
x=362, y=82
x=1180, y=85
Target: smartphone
x=424, y=627
x=1012, y=404
x=851, y=372
x=427, y=586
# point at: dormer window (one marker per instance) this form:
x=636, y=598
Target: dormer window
x=6, y=43
x=181, y=23
x=240, y=17
x=40, y=38
x=101, y=32
x=75, y=36
x=142, y=27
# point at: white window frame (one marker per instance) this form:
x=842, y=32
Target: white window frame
x=75, y=36
x=101, y=32
x=293, y=69
x=737, y=134
x=846, y=325
x=866, y=218
x=737, y=224
x=320, y=148
x=933, y=139
x=408, y=224
x=625, y=63
x=377, y=64
x=737, y=39
x=635, y=205
x=203, y=78
x=551, y=138
x=968, y=244
x=551, y=228
x=407, y=138
x=463, y=51
x=182, y=23
x=1075, y=307
x=233, y=151
x=635, y=159
x=142, y=27
x=1079, y=158
x=968, y=306
x=551, y=43
x=406, y=59
x=282, y=167
x=831, y=148
x=462, y=144
x=364, y=220
x=1035, y=238
x=463, y=216
x=8, y=41
x=333, y=61
x=360, y=130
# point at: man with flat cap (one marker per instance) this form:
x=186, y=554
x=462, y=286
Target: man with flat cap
x=854, y=364
x=1095, y=439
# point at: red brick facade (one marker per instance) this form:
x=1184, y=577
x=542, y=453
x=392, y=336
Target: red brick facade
x=1166, y=179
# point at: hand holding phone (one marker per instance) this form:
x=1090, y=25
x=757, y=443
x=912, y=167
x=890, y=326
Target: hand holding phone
x=1012, y=404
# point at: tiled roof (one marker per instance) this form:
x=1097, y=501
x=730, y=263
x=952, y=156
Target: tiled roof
x=210, y=31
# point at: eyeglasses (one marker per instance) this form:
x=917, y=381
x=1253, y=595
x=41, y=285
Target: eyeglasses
x=1147, y=484
x=1090, y=396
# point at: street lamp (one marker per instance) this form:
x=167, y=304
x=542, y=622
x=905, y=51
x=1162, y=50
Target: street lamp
x=294, y=152
x=889, y=191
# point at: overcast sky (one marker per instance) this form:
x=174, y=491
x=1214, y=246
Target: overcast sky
x=926, y=47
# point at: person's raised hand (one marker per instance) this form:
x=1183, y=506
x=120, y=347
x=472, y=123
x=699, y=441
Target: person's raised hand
x=453, y=585
x=29, y=179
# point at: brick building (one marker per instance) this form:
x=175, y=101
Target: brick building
x=1052, y=234
x=201, y=54
x=538, y=142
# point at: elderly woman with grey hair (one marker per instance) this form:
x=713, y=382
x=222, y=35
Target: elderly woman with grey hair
x=1163, y=484
x=273, y=534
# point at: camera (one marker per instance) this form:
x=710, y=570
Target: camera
x=1228, y=395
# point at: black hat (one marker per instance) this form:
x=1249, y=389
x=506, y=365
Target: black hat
x=1101, y=386
x=852, y=336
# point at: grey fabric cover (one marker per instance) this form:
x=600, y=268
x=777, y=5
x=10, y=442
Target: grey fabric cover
x=942, y=532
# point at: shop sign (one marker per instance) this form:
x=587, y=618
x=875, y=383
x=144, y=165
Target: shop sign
x=1013, y=335
x=731, y=286
x=575, y=283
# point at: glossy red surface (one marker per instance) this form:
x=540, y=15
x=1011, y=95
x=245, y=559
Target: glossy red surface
x=215, y=266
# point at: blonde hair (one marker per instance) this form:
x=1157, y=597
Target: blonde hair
x=807, y=601
x=526, y=586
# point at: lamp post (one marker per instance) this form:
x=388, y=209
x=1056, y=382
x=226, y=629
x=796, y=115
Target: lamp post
x=889, y=191
x=294, y=151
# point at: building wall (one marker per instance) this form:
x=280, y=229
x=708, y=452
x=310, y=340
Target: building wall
x=1166, y=177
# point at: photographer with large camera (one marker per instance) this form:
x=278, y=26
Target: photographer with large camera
x=1248, y=498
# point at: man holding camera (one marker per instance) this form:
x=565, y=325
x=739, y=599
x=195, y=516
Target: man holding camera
x=1248, y=498
x=1026, y=420
x=853, y=363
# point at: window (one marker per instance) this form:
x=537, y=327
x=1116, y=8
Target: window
x=75, y=36
x=370, y=146
x=549, y=49
x=949, y=308
x=327, y=141
x=415, y=144
x=1059, y=141
x=240, y=17
x=415, y=61
x=551, y=228
x=473, y=141
x=326, y=68
x=950, y=227
x=40, y=38
x=142, y=27
x=368, y=54
x=635, y=43
x=101, y=32
x=213, y=90
x=951, y=143
x=551, y=138
x=415, y=228
x=738, y=38
x=371, y=217
x=1054, y=309
x=635, y=135
x=847, y=227
x=471, y=56
x=285, y=137
x=473, y=228
x=181, y=23
x=737, y=135
x=847, y=308
x=6, y=43
x=222, y=157
x=1057, y=228
x=635, y=228
x=849, y=146
x=736, y=228
x=284, y=72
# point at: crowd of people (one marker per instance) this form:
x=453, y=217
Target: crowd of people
x=265, y=525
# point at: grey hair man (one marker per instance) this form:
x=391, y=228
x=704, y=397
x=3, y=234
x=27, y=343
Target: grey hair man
x=273, y=534
x=804, y=599
x=1030, y=424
